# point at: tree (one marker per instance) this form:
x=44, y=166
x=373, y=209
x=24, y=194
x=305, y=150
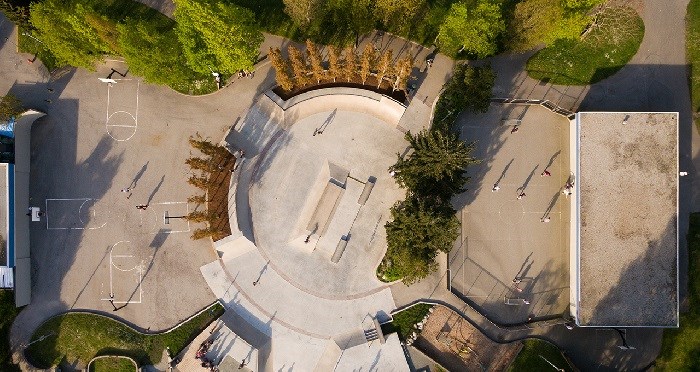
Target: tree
x=201, y=164
x=217, y=35
x=17, y=12
x=296, y=58
x=10, y=106
x=197, y=199
x=402, y=72
x=315, y=60
x=398, y=14
x=281, y=66
x=349, y=63
x=419, y=229
x=204, y=233
x=63, y=29
x=471, y=29
x=200, y=182
x=303, y=12
x=468, y=89
x=205, y=146
x=384, y=67
x=152, y=50
x=436, y=166
x=334, y=67
x=367, y=62
x=544, y=21
x=349, y=17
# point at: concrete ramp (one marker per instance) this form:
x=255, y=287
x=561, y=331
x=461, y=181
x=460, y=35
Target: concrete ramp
x=230, y=248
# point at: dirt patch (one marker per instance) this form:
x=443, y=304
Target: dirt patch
x=219, y=184
x=458, y=346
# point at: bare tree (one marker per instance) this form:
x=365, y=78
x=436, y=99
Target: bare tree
x=334, y=67
x=349, y=63
x=298, y=66
x=281, y=66
x=315, y=60
x=402, y=71
x=367, y=62
x=384, y=67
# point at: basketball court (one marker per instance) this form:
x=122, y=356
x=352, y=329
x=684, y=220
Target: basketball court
x=510, y=263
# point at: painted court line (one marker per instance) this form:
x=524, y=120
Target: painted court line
x=84, y=200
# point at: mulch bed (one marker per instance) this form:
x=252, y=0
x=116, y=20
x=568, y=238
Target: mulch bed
x=355, y=82
x=218, y=193
x=454, y=343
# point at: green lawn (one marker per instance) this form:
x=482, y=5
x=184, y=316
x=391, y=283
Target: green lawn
x=692, y=45
x=601, y=53
x=112, y=364
x=8, y=312
x=405, y=320
x=680, y=348
x=536, y=355
x=79, y=337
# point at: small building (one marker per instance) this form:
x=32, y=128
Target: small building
x=15, y=264
x=624, y=231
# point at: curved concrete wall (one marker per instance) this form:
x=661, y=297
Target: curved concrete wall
x=343, y=99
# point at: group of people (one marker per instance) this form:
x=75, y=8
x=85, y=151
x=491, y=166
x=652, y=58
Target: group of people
x=202, y=355
x=245, y=73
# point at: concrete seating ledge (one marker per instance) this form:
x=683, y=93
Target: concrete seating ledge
x=344, y=99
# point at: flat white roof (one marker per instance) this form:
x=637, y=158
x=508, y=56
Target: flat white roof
x=626, y=183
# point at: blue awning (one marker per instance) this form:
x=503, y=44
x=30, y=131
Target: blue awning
x=8, y=129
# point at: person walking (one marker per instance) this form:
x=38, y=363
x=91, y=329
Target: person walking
x=545, y=219
x=545, y=173
x=521, y=195
x=495, y=187
x=515, y=129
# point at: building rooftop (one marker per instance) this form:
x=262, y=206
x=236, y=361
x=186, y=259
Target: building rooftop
x=627, y=189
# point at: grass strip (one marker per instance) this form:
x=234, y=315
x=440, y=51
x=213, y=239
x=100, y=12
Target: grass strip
x=76, y=338
x=112, y=364
x=8, y=312
x=692, y=45
x=680, y=348
x=405, y=320
x=538, y=355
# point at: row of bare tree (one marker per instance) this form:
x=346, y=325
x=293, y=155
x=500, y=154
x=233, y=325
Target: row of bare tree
x=308, y=68
x=204, y=167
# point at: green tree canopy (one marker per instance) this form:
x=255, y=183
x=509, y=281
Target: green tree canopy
x=153, y=52
x=436, y=166
x=303, y=12
x=545, y=21
x=473, y=29
x=63, y=28
x=468, y=89
x=398, y=14
x=419, y=229
x=217, y=35
x=10, y=106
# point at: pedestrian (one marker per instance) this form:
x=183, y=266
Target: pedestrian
x=546, y=173
x=517, y=281
x=142, y=206
x=521, y=195
x=545, y=219
x=515, y=129
x=495, y=187
x=48, y=101
x=50, y=90
x=126, y=190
